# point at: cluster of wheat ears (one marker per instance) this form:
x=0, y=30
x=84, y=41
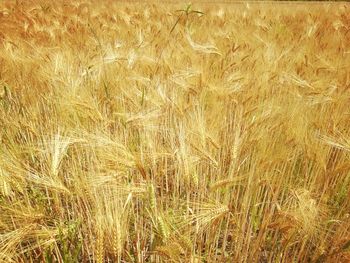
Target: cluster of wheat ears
x=144, y=132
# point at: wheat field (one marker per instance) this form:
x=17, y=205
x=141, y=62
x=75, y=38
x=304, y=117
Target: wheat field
x=149, y=132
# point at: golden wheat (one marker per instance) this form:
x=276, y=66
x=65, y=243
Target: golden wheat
x=150, y=132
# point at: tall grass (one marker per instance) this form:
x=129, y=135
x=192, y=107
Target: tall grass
x=139, y=133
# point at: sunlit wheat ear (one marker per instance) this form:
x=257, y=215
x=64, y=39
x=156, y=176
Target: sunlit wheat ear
x=5, y=183
x=303, y=210
x=42, y=181
x=340, y=142
x=117, y=239
x=58, y=149
x=152, y=198
x=12, y=175
x=237, y=180
x=195, y=178
x=205, y=48
x=203, y=215
x=99, y=246
x=172, y=252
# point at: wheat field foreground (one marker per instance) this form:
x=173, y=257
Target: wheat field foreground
x=145, y=132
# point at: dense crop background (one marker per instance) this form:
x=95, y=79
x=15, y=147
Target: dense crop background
x=174, y=133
